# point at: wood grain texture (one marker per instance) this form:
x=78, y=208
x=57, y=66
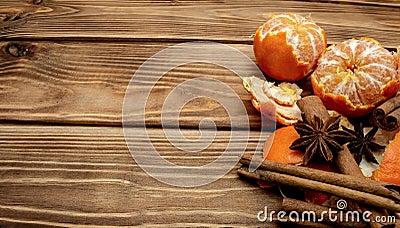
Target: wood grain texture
x=85, y=83
x=225, y=21
x=65, y=66
x=86, y=176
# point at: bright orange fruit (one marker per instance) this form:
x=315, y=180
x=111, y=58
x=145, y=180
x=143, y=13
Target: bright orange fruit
x=389, y=169
x=354, y=76
x=288, y=46
x=276, y=148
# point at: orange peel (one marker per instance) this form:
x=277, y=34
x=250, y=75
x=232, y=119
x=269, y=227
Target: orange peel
x=275, y=102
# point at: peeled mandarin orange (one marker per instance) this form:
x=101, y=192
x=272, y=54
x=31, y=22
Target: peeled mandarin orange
x=354, y=76
x=287, y=46
x=389, y=169
x=276, y=148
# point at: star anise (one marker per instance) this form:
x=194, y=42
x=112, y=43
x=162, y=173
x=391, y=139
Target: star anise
x=319, y=138
x=361, y=145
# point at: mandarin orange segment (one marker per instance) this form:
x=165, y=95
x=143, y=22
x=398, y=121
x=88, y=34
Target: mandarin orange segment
x=389, y=169
x=354, y=76
x=276, y=148
x=288, y=46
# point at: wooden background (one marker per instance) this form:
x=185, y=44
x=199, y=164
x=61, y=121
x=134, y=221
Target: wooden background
x=64, y=69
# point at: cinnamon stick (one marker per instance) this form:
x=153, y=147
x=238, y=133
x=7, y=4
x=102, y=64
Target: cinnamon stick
x=359, y=183
x=312, y=106
x=387, y=115
x=307, y=224
x=285, y=179
x=289, y=204
x=346, y=163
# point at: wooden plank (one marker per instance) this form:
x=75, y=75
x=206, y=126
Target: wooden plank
x=85, y=83
x=57, y=175
x=232, y=21
x=365, y=2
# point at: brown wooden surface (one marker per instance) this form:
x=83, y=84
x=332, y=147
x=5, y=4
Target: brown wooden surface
x=175, y=20
x=85, y=175
x=69, y=82
x=64, y=69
